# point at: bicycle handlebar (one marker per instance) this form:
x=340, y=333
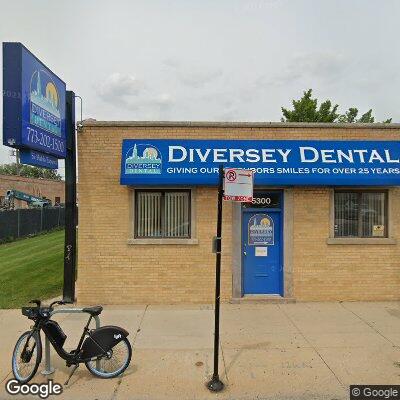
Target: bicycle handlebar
x=37, y=302
x=60, y=302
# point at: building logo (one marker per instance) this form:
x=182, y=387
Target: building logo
x=45, y=103
x=261, y=230
x=149, y=162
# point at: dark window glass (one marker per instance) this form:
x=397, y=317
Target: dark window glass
x=264, y=200
x=360, y=214
x=162, y=214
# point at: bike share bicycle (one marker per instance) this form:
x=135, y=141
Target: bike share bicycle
x=106, y=351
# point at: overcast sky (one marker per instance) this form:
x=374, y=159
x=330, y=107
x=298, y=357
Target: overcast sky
x=213, y=60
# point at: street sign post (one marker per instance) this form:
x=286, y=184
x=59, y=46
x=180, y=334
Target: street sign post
x=215, y=384
x=238, y=185
x=234, y=184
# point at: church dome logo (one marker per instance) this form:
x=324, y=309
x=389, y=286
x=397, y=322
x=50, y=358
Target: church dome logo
x=143, y=159
x=45, y=103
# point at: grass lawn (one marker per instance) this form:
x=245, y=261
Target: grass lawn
x=31, y=269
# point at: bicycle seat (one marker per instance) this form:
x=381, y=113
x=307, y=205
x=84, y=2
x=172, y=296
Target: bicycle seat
x=93, y=311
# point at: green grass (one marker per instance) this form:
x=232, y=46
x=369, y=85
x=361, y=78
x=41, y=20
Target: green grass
x=31, y=269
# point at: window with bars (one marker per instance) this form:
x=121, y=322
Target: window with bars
x=162, y=214
x=360, y=214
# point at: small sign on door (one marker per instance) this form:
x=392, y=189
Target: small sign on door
x=261, y=251
x=261, y=230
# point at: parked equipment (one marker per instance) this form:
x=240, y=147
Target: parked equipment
x=106, y=351
x=31, y=200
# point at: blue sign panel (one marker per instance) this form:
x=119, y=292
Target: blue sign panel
x=275, y=162
x=38, y=159
x=33, y=103
x=260, y=230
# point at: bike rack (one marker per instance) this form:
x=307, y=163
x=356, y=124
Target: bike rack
x=48, y=369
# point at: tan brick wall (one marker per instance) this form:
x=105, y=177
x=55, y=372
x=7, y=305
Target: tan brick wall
x=340, y=272
x=38, y=187
x=112, y=271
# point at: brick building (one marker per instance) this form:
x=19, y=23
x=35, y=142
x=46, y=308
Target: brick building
x=325, y=223
x=53, y=190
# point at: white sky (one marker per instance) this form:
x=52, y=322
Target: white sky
x=213, y=60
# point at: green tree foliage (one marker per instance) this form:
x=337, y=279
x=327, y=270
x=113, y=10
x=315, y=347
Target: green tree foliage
x=306, y=110
x=29, y=171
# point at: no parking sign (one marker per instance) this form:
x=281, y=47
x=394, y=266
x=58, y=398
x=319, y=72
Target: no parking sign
x=238, y=185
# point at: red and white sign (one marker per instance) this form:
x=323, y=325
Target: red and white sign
x=238, y=185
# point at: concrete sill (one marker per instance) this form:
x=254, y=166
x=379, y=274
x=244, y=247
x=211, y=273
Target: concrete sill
x=183, y=242
x=375, y=241
x=262, y=299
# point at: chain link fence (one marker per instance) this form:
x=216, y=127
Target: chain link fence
x=23, y=222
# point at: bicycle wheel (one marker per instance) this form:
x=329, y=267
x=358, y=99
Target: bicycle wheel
x=26, y=356
x=115, y=363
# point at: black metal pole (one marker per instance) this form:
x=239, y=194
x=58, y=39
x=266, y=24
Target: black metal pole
x=70, y=202
x=215, y=384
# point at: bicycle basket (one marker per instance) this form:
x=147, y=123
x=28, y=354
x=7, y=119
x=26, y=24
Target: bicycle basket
x=30, y=312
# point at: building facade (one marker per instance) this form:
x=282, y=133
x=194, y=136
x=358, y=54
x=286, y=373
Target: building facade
x=324, y=224
x=50, y=189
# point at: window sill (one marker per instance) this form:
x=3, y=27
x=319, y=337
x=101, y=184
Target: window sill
x=376, y=241
x=163, y=241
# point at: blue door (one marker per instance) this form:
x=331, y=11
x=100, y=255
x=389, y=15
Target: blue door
x=262, y=251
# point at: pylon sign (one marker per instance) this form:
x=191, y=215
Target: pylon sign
x=33, y=108
x=238, y=185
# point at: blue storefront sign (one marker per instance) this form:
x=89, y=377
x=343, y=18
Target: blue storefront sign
x=147, y=162
x=33, y=157
x=33, y=103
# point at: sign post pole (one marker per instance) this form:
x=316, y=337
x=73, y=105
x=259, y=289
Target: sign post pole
x=215, y=384
x=70, y=202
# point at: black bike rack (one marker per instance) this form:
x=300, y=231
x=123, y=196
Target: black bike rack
x=48, y=369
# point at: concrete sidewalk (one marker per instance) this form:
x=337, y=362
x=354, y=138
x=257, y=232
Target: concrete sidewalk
x=280, y=351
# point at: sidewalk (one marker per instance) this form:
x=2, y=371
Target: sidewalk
x=286, y=351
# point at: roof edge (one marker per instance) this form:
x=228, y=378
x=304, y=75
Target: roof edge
x=223, y=124
x=31, y=178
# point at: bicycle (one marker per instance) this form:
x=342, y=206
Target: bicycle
x=106, y=351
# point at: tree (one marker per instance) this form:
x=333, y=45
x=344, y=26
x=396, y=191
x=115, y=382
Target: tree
x=350, y=116
x=306, y=110
x=29, y=171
